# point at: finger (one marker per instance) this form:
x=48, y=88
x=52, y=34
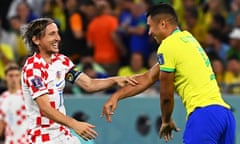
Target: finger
x=92, y=134
x=108, y=117
x=171, y=135
x=177, y=129
x=84, y=137
x=166, y=138
x=161, y=134
x=132, y=81
x=91, y=126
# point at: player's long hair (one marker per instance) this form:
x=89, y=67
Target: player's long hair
x=35, y=28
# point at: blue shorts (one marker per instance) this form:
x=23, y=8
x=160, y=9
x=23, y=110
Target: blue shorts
x=210, y=125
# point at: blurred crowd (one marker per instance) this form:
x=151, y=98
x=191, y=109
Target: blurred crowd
x=110, y=37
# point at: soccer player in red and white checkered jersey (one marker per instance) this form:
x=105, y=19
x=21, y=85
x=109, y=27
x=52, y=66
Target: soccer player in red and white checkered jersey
x=43, y=81
x=12, y=108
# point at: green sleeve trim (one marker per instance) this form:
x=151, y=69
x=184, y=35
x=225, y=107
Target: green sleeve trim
x=167, y=69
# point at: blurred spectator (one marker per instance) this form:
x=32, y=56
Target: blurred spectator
x=74, y=41
x=214, y=7
x=6, y=56
x=234, y=39
x=88, y=58
x=55, y=9
x=5, y=4
x=124, y=17
x=193, y=25
x=34, y=5
x=183, y=5
x=137, y=30
x=24, y=12
x=102, y=37
x=232, y=76
x=5, y=36
x=218, y=69
x=12, y=108
x=214, y=44
x=219, y=23
x=237, y=20
x=88, y=8
x=136, y=66
x=235, y=9
x=20, y=49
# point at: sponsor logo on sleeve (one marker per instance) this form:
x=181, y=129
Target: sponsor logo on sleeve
x=37, y=82
x=160, y=59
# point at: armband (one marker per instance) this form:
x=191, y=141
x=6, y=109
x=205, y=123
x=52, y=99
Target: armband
x=72, y=75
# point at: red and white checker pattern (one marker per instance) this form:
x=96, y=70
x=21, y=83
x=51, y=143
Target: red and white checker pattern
x=13, y=112
x=39, y=77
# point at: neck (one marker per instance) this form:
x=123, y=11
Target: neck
x=46, y=57
x=13, y=89
x=172, y=30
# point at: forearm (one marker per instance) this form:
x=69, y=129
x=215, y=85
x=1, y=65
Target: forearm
x=167, y=105
x=2, y=125
x=53, y=114
x=144, y=81
x=129, y=90
x=101, y=84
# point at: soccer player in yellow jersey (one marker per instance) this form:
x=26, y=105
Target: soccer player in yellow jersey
x=183, y=66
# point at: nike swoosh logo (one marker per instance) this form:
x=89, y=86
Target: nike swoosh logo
x=58, y=84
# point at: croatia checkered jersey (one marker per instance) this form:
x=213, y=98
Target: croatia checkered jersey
x=13, y=113
x=38, y=78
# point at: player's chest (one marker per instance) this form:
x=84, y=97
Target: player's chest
x=56, y=76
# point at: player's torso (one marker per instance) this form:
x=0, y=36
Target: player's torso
x=15, y=116
x=194, y=78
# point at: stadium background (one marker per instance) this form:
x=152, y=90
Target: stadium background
x=123, y=129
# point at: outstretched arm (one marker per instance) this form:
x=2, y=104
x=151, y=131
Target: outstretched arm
x=94, y=85
x=144, y=81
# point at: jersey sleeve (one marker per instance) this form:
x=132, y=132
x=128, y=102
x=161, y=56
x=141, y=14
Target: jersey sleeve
x=34, y=80
x=166, y=58
x=66, y=63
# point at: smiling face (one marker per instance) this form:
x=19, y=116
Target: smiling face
x=49, y=42
x=155, y=29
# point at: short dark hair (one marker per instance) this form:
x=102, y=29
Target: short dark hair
x=11, y=66
x=162, y=9
x=35, y=28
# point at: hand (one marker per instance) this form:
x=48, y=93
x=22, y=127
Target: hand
x=109, y=108
x=166, y=130
x=85, y=130
x=123, y=81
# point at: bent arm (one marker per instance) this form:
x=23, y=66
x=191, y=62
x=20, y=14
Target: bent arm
x=144, y=81
x=53, y=114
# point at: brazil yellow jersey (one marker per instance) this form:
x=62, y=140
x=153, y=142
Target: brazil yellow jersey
x=194, y=79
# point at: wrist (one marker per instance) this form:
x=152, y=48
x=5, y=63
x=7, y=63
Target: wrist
x=165, y=119
x=71, y=122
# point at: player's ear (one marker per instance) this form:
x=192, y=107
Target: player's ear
x=35, y=40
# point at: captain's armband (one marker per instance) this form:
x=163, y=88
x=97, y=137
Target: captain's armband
x=72, y=74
